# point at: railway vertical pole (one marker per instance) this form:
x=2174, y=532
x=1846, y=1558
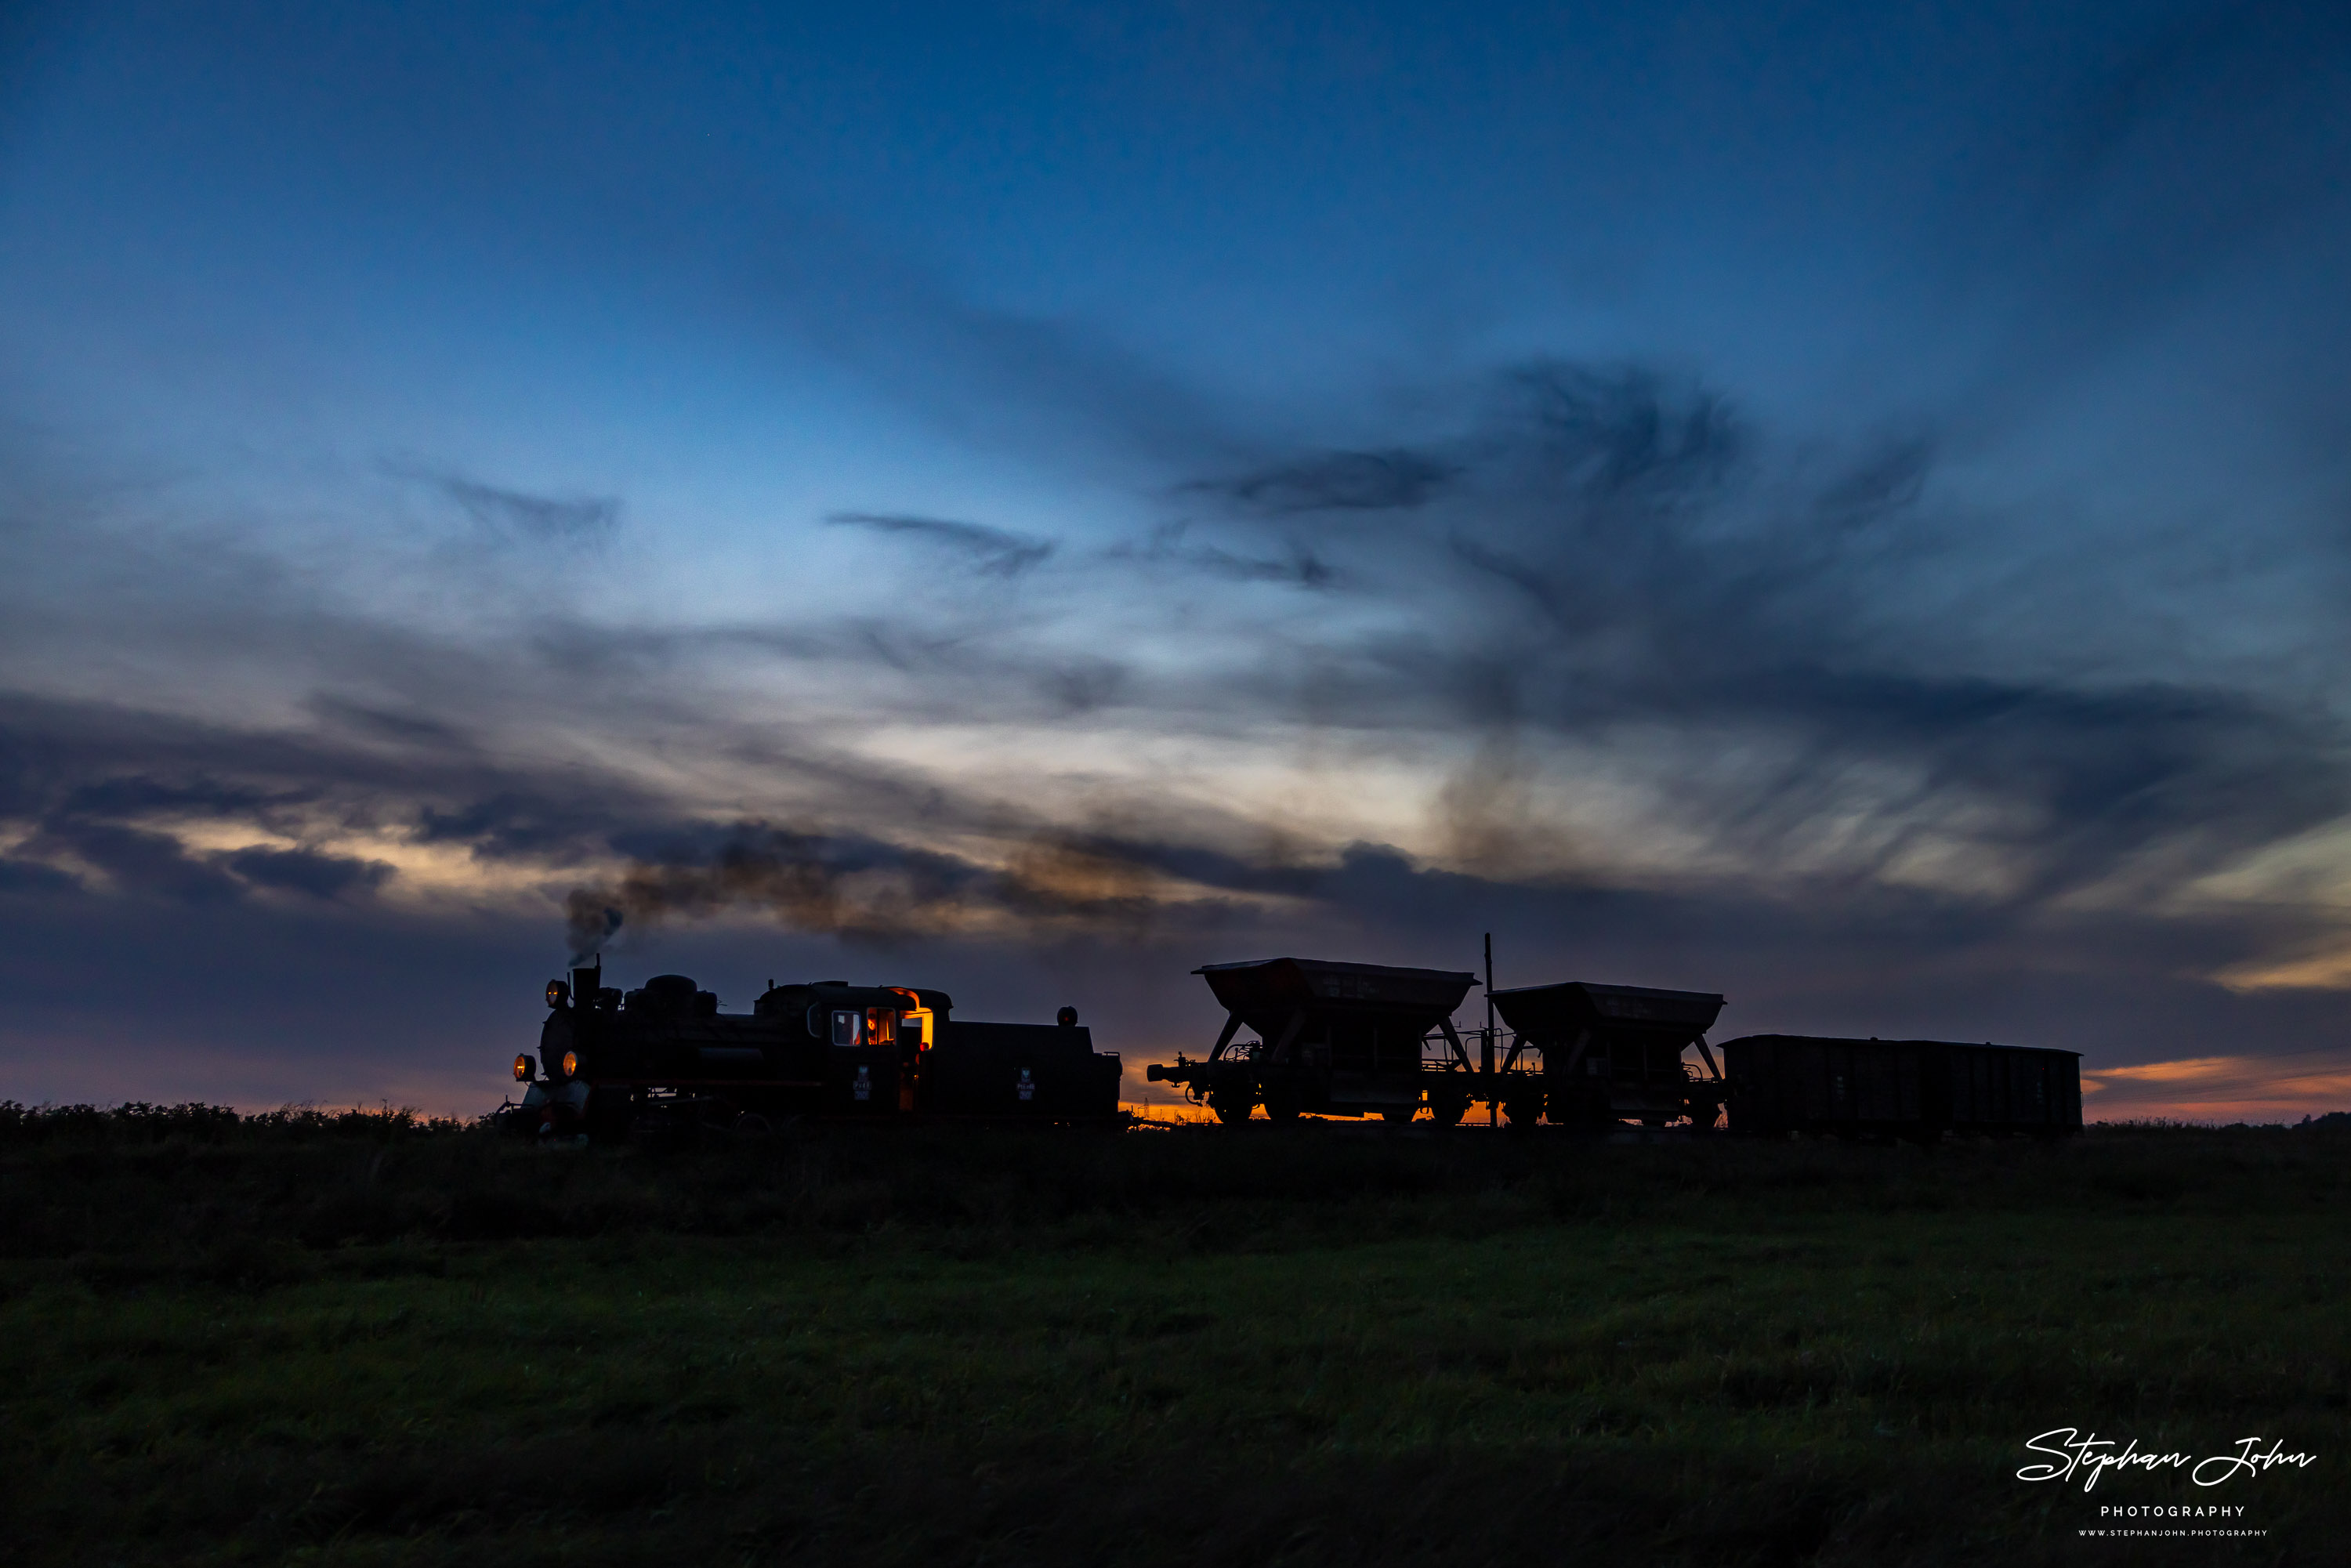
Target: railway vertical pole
x=1486, y=1039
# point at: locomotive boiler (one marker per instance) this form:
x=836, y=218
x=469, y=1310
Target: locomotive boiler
x=612, y=1061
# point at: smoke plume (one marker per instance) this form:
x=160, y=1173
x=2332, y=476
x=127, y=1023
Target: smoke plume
x=868, y=892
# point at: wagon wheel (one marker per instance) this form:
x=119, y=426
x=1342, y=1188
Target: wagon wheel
x=1447, y=1106
x=1522, y=1110
x=1282, y=1106
x=1230, y=1105
x=1398, y=1114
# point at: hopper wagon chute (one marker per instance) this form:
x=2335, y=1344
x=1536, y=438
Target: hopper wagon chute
x=1331, y=1039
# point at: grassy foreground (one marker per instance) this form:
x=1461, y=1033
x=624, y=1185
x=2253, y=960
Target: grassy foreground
x=360, y=1339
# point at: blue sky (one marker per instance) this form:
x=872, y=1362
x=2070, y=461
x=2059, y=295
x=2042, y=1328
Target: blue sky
x=1844, y=505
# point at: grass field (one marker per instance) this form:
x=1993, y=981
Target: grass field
x=358, y=1339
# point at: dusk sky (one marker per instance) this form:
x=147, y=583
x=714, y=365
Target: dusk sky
x=1846, y=506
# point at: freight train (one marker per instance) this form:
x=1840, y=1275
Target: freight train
x=663, y=1056
x=1356, y=1039
x=1323, y=1039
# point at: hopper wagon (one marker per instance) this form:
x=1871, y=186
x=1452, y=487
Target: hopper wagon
x=1331, y=1039
x=1609, y=1054
x=612, y=1061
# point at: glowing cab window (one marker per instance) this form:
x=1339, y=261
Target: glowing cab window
x=914, y=1019
x=881, y=1026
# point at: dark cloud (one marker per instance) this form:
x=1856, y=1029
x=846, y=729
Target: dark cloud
x=34, y=879
x=514, y=824
x=1657, y=572
x=113, y=785
x=308, y=872
x=138, y=862
x=1625, y=434
x=1394, y=480
x=136, y=794
x=995, y=551
x=1113, y=919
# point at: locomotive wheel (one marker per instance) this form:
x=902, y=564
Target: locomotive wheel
x=608, y=1115
x=1231, y=1105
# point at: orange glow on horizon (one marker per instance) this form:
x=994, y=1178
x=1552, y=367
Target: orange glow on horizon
x=2282, y=1088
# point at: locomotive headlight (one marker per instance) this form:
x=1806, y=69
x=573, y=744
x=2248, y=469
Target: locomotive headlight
x=558, y=993
x=522, y=1068
x=570, y=1064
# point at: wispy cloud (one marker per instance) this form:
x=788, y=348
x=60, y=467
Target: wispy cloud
x=998, y=552
x=515, y=515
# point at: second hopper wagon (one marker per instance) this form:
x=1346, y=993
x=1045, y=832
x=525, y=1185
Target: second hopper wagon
x=1610, y=1054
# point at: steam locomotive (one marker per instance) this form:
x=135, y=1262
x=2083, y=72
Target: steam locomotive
x=663, y=1056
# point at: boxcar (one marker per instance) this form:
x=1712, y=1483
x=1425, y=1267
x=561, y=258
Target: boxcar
x=1782, y=1083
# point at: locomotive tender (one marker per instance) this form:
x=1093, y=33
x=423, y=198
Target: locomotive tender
x=611, y=1061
